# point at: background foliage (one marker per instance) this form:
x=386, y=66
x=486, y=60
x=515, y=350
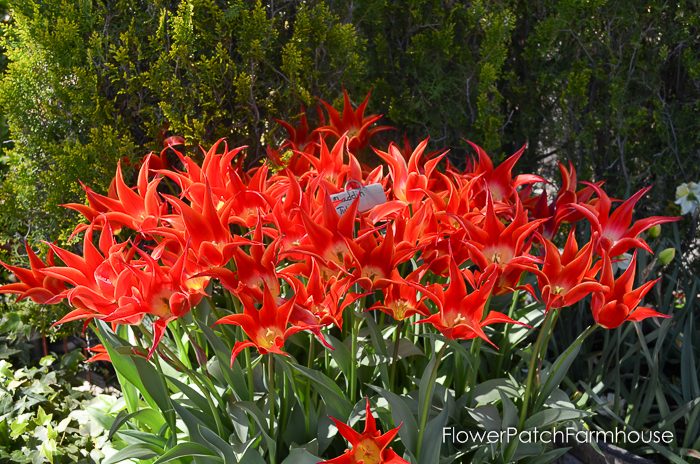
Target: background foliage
x=614, y=86
x=90, y=83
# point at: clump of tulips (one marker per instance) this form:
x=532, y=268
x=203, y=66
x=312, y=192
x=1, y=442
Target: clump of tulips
x=323, y=281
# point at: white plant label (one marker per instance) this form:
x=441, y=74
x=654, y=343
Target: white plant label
x=370, y=196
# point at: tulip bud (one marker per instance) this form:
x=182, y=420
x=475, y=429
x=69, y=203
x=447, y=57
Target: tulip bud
x=666, y=256
x=655, y=231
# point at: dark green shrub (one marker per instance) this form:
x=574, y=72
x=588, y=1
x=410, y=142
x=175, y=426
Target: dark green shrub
x=613, y=86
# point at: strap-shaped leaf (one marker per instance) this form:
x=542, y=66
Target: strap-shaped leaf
x=553, y=376
x=401, y=414
x=135, y=451
x=334, y=398
x=185, y=450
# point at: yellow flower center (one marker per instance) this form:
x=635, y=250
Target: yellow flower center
x=372, y=273
x=337, y=252
x=557, y=290
x=368, y=452
x=160, y=305
x=454, y=319
x=498, y=255
x=196, y=284
x=399, y=309
x=268, y=336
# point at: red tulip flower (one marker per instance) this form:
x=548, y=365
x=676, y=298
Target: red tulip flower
x=410, y=180
x=563, y=279
x=267, y=328
x=620, y=302
x=329, y=236
x=617, y=233
x=505, y=245
x=368, y=447
x=499, y=180
x=461, y=313
x=352, y=122
x=325, y=298
x=401, y=298
x=138, y=210
x=334, y=167
x=33, y=283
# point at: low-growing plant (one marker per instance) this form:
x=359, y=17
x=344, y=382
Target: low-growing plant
x=45, y=416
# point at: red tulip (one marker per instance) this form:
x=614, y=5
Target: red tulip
x=401, y=298
x=410, y=179
x=352, y=122
x=333, y=167
x=461, y=313
x=138, y=210
x=33, y=283
x=499, y=180
x=377, y=258
x=620, y=301
x=110, y=285
x=326, y=298
x=267, y=328
x=205, y=230
x=564, y=279
x=368, y=447
x=329, y=236
x=617, y=233
x=505, y=245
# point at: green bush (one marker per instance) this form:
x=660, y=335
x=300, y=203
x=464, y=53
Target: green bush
x=90, y=83
x=612, y=86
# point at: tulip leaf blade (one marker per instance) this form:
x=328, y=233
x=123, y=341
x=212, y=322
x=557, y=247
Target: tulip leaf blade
x=336, y=402
x=185, y=449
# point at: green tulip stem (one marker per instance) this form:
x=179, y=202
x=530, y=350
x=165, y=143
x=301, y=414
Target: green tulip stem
x=424, y=413
x=537, y=353
x=395, y=355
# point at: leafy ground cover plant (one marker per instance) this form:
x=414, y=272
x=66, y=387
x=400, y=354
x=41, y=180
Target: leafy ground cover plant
x=256, y=314
x=45, y=416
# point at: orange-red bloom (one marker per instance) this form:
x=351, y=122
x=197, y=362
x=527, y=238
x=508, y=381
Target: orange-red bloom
x=620, y=301
x=352, y=122
x=324, y=298
x=112, y=285
x=461, y=313
x=33, y=283
x=564, y=279
x=401, y=298
x=138, y=210
x=368, y=447
x=329, y=236
x=505, y=245
x=267, y=328
x=499, y=180
x=617, y=233
x=410, y=180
